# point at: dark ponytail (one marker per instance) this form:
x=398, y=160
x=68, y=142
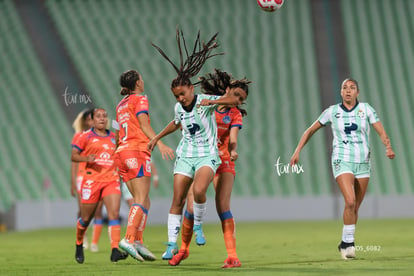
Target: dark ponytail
x=127, y=80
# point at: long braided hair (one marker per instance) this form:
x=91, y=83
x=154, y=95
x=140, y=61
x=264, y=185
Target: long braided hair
x=216, y=84
x=194, y=61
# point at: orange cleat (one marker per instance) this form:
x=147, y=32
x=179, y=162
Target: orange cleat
x=231, y=262
x=177, y=258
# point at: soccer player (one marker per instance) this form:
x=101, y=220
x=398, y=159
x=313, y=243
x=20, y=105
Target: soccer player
x=229, y=122
x=133, y=159
x=96, y=147
x=197, y=153
x=84, y=122
x=350, y=122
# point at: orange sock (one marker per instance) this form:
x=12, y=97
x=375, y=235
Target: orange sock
x=187, y=232
x=229, y=232
x=114, y=231
x=134, y=219
x=96, y=231
x=141, y=228
x=81, y=227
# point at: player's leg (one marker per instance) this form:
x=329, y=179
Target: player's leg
x=182, y=182
x=361, y=185
x=111, y=197
x=86, y=213
x=139, y=188
x=346, y=185
x=202, y=179
x=79, y=180
x=97, y=227
x=143, y=223
x=139, y=239
x=223, y=184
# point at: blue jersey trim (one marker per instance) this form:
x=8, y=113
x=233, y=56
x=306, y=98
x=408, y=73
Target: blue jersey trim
x=142, y=112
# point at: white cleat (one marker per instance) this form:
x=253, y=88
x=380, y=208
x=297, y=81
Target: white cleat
x=94, y=248
x=85, y=242
x=130, y=249
x=347, y=253
x=144, y=252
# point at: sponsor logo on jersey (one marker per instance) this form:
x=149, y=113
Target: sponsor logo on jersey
x=132, y=163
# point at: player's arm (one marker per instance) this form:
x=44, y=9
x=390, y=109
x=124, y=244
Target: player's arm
x=304, y=139
x=166, y=151
x=76, y=157
x=73, y=175
x=234, y=133
x=170, y=128
x=223, y=100
x=379, y=128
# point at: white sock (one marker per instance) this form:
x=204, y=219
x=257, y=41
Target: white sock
x=174, y=225
x=348, y=232
x=199, y=212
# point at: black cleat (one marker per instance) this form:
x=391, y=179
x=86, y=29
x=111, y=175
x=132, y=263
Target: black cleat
x=117, y=255
x=79, y=257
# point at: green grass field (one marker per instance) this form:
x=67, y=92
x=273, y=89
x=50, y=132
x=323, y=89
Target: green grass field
x=385, y=247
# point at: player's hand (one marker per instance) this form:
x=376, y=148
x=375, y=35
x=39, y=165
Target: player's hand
x=294, y=159
x=155, y=180
x=205, y=102
x=90, y=158
x=166, y=152
x=73, y=189
x=151, y=144
x=233, y=155
x=390, y=153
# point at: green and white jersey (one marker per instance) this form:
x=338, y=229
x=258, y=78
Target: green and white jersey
x=199, y=129
x=350, y=129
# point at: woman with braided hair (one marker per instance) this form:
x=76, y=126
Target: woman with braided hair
x=229, y=122
x=197, y=153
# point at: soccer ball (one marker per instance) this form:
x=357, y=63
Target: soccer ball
x=270, y=5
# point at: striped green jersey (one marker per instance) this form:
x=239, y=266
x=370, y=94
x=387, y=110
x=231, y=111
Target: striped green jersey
x=199, y=129
x=350, y=129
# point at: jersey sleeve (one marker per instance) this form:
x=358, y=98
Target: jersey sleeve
x=80, y=142
x=237, y=120
x=372, y=114
x=141, y=106
x=325, y=117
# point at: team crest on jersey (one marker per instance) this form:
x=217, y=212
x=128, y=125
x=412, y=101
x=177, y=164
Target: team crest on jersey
x=361, y=114
x=226, y=119
x=95, y=140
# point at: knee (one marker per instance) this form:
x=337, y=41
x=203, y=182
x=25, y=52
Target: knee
x=114, y=214
x=350, y=203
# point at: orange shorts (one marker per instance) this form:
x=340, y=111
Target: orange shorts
x=226, y=166
x=133, y=164
x=93, y=191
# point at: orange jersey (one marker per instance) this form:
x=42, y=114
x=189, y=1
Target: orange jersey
x=131, y=136
x=81, y=167
x=102, y=169
x=225, y=121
